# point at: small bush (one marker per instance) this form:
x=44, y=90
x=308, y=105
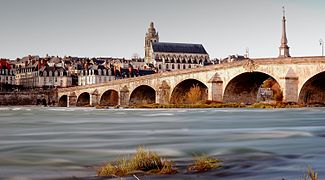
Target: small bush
x=194, y=94
x=204, y=163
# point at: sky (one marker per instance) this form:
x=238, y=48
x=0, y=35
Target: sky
x=116, y=28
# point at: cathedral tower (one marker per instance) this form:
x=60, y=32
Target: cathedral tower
x=151, y=36
x=284, y=48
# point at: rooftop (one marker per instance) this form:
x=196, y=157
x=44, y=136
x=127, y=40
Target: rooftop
x=167, y=47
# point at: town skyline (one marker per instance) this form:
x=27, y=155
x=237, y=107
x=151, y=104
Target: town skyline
x=115, y=29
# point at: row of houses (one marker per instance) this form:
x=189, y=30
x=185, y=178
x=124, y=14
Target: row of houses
x=48, y=72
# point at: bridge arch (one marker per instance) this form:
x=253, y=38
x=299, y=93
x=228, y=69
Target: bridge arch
x=189, y=91
x=313, y=90
x=83, y=99
x=109, y=98
x=244, y=87
x=143, y=94
x=63, y=101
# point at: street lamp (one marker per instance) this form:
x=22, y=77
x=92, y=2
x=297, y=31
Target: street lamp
x=321, y=43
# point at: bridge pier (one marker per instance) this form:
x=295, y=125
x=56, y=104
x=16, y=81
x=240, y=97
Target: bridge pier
x=72, y=100
x=290, y=89
x=94, y=99
x=163, y=93
x=290, y=86
x=124, y=96
x=215, y=93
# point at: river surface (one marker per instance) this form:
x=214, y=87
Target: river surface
x=51, y=143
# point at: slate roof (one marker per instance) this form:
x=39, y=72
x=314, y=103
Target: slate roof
x=167, y=47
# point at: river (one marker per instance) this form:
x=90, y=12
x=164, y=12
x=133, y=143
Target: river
x=51, y=143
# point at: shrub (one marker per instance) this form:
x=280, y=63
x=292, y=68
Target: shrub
x=194, y=94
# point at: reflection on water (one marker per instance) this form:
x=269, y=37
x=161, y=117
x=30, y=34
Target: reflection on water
x=253, y=143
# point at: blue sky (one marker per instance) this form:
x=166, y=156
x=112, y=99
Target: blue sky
x=116, y=28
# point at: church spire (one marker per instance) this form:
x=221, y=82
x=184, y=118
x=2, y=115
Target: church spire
x=151, y=36
x=284, y=48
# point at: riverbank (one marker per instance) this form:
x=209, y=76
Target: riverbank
x=211, y=104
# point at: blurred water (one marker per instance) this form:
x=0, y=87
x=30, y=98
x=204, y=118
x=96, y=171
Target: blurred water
x=44, y=143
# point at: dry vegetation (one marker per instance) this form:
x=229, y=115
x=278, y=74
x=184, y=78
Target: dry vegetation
x=144, y=161
x=213, y=104
x=275, y=87
x=311, y=174
x=194, y=94
x=204, y=163
x=148, y=162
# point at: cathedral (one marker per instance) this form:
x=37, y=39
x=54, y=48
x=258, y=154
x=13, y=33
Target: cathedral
x=166, y=56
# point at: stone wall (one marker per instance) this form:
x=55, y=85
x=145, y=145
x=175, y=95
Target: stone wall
x=27, y=98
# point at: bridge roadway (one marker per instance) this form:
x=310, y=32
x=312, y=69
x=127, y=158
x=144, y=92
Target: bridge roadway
x=301, y=79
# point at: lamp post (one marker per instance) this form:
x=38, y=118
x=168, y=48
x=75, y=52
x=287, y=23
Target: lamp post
x=321, y=43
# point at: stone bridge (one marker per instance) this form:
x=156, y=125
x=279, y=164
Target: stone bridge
x=301, y=79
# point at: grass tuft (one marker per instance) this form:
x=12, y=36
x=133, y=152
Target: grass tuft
x=119, y=168
x=142, y=161
x=146, y=160
x=311, y=174
x=168, y=168
x=204, y=163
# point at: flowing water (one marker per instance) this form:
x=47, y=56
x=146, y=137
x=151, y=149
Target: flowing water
x=51, y=143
